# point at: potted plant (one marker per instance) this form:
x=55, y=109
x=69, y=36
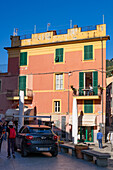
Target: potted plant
x=74, y=90
x=78, y=149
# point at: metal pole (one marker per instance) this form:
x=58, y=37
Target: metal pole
x=102, y=81
x=103, y=19
x=70, y=23
x=68, y=92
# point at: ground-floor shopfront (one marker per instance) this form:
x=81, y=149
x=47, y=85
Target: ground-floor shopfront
x=85, y=133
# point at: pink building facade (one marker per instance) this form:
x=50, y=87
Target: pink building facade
x=53, y=69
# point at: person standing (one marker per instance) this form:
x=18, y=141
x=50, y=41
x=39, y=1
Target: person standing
x=99, y=138
x=5, y=133
x=11, y=139
x=1, y=134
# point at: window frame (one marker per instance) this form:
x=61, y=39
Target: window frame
x=24, y=60
x=90, y=106
x=82, y=80
x=25, y=84
x=88, y=53
x=59, y=57
x=59, y=85
x=58, y=106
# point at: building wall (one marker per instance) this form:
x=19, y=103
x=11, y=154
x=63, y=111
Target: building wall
x=41, y=69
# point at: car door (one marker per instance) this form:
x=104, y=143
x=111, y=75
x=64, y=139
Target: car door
x=23, y=134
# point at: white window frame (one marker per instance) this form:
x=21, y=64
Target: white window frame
x=57, y=106
x=59, y=81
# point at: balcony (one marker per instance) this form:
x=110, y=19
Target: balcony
x=86, y=94
x=14, y=95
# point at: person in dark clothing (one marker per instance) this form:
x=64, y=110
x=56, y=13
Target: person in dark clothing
x=1, y=134
x=11, y=139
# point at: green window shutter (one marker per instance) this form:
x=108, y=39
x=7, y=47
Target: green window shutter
x=88, y=52
x=22, y=84
x=23, y=58
x=85, y=53
x=95, y=83
x=59, y=55
x=81, y=83
x=88, y=106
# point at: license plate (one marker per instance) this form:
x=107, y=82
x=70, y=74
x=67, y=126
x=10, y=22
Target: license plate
x=42, y=149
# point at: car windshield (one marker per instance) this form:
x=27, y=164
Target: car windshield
x=40, y=130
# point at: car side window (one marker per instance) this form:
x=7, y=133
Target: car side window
x=21, y=129
x=25, y=130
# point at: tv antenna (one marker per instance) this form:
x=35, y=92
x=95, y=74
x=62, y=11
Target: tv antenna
x=15, y=32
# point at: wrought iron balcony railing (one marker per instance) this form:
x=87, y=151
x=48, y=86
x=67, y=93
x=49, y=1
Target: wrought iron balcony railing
x=13, y=93
x=87, y=92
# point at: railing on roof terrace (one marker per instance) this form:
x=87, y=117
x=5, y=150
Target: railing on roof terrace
x=63, y=31
x=27, y=36
x=3, y=68
x=88, y=28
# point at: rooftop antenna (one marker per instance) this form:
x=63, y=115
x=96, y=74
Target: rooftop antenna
x=48, y=25
x=34, y=29
x=103, y=18
x=70, y=23
x=15, y=32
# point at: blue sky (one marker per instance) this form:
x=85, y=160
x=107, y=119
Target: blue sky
x=24, y=15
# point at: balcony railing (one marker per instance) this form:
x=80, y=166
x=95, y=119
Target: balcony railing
x=88, y=28
x=86, y=92
x=15, y=93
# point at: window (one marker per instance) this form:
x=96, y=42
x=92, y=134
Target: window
x=59, y=81
x=23, y=58
x=22, y=84
x=88, y=52
x=88, y=106
x=86, y=79
x=56, y=106
x=0, y=85
x=25, y=130
x=59, y=55
x=40, y=130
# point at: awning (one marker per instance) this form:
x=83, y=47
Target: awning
x=11, y=112
x=86, y=120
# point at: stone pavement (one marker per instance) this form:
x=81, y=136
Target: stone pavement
x=106, y=149
x=45, y=162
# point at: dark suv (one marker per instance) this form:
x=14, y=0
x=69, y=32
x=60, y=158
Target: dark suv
x=36, y=138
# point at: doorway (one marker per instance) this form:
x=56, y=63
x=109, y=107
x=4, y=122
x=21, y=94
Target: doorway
x=85, y=133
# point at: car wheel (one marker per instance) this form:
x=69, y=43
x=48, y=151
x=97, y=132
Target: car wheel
x=23, y=152
x=54, y=154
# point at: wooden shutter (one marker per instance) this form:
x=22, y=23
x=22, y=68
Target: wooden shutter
x=88, y=52
x=59, y=55
x=22, y=84
x=81, y=83
x=95, y=82
x=23, y=58
x=85, y=52
x=88, y=106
